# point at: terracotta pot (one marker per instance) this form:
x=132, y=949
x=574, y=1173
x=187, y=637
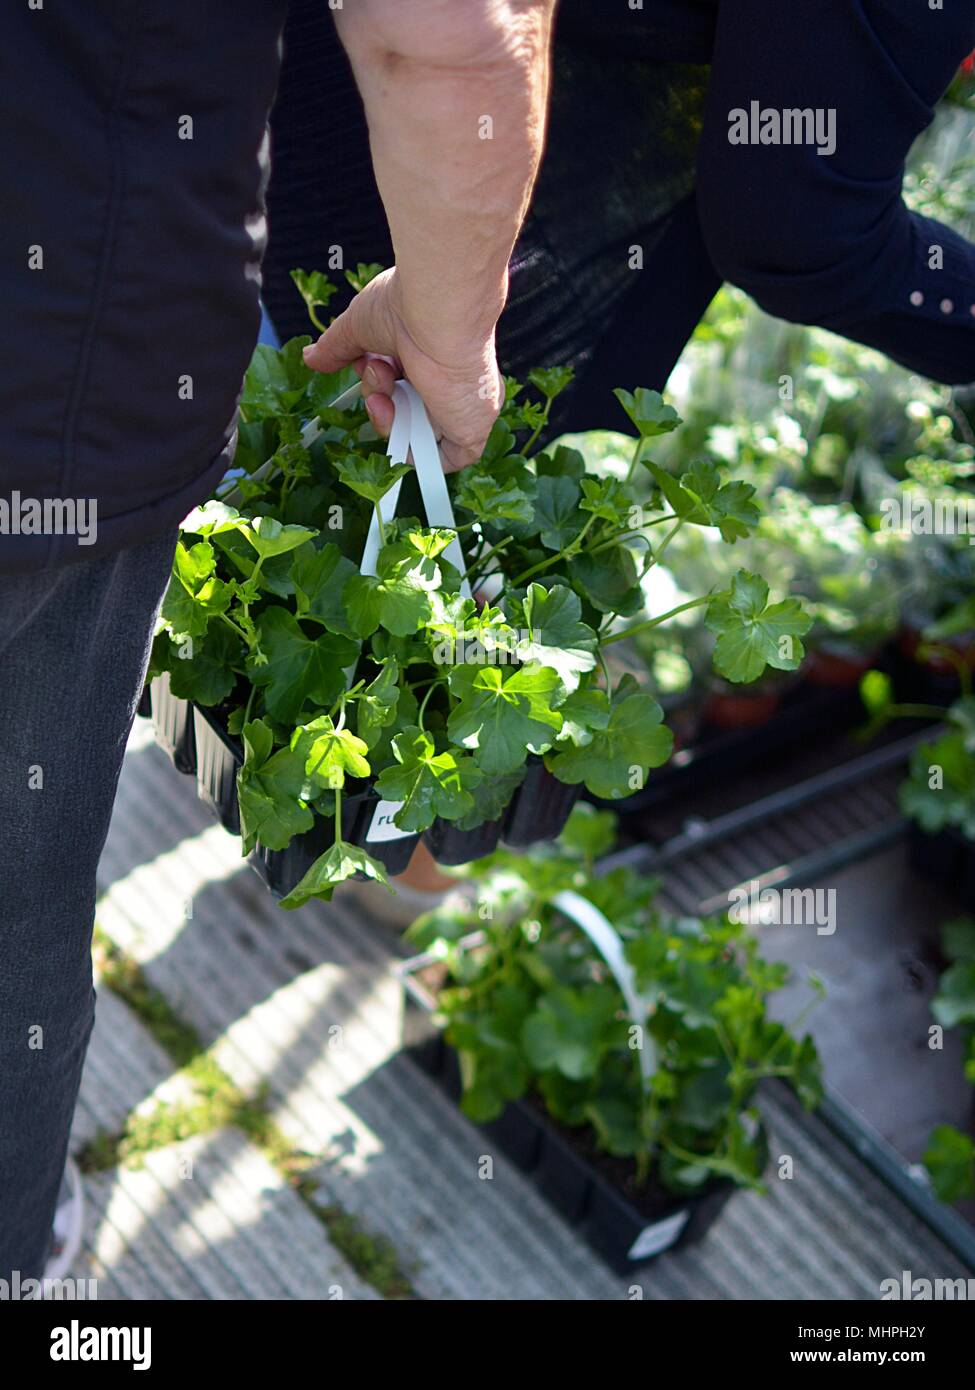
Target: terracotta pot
x=837, y=668
x=910, y=639
x=722, y=710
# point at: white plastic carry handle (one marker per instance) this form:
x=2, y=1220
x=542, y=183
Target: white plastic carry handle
x=608, y=943
x=412, y=435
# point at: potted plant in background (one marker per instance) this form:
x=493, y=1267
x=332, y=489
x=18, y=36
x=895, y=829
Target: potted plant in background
x=950, y=1155
x=627, y=1088
x=365, y=709
x=939, y=798
x=931, y=516
x=844, y=571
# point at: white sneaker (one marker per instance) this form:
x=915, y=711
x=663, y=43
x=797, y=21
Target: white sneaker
x=69, y=1220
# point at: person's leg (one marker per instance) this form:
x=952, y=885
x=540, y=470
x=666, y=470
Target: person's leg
x=74, y=645
x=825, y=238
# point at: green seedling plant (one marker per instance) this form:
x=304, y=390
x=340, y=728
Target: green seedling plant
x=336, y=681
x=533, y=1011
x=940, y=790
x=950, y=1155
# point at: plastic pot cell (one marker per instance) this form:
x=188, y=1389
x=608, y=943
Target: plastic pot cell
x=627, y=1237
x=518, y=1133
x=539, y=808
x=172, y=721
x=366, y=822
x=144, y=708
x=283, y=869
x=450, y=845
x=218, y=757
x=371, y=825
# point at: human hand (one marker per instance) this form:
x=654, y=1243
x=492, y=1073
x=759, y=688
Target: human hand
x=459, y=382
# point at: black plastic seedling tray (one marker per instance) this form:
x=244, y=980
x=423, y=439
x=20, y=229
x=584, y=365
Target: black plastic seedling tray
x=625, y=1235
x=197, y=741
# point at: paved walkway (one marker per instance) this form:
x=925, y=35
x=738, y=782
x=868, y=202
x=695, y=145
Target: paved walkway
x=301, y=1008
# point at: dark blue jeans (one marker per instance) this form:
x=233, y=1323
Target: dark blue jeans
x=74, y=645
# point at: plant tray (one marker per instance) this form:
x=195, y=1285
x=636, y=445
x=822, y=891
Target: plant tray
x=625, y=1235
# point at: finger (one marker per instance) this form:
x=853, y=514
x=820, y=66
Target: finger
x=379, y=375
x=352, y=335
x=381, y=412
x=457, y=456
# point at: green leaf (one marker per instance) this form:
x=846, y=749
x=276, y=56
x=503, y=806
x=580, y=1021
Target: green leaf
x=752, y=633
x=364, y=273
x=370, y=477
x=807, y=1072
x=376, y=707
x=398, y=598
x=551, y=381
x=315, y=288
x=877, y=693
x=614, y=763
x=557, y=511
x=950, y=1159
x=208, y=676
x=319, y=578
x=955, y=1001
x=582, y=712
x=588, y=832
x=940, y=790
x=182, y=613
x=605, y=498
x=493, y=797
x=615, y=1123
x=648, y=411
x=701, y=498
x=269, y=788
x=609, y=580
x=269, y=537
x=212, y=519
x=330, y=754
x=298, y=670
x=503, y=717
x=557, y=637
x=493, y=499
x=958, y=939
x=338, y=864
x=276, y=380
x=428, y=783
x=569, y=1031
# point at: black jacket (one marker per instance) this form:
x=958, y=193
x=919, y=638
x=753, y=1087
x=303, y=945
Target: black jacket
x=133, y=151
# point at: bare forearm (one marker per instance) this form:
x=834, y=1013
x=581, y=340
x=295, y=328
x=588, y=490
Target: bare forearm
x=455, y=93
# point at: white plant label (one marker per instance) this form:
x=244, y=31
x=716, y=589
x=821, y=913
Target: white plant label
x=660, y=1236
x=382, y=827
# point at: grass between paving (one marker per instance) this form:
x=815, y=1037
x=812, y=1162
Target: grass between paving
x=219, y=1102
